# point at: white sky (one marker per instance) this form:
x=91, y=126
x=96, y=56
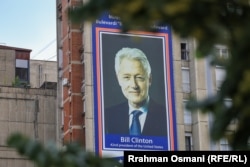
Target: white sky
x=29, y=24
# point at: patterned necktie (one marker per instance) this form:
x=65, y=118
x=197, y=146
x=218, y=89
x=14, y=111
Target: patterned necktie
x=135, y=128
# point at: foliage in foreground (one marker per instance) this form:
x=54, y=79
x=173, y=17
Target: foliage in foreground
x=72, y=155
x=209, y=22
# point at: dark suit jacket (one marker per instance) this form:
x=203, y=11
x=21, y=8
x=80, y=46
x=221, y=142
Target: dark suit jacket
x=117, y=120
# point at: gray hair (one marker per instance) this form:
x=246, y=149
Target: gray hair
x=132, y=54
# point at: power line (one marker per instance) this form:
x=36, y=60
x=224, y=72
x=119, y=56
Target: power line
x=46, y=46
x=51, y=57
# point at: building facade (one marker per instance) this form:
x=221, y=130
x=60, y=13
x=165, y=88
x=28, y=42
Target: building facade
x=192, y=78
x=24, y=107
x=69, y=40
x=14, y=65
x=43, y=74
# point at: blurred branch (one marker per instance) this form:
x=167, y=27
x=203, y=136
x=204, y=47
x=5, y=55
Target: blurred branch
x=72, y=155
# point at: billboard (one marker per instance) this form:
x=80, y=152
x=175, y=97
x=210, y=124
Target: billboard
x=142, y=81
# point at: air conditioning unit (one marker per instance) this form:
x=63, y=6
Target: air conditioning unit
x=69, y=92
x=65, y=82
x=61, y=106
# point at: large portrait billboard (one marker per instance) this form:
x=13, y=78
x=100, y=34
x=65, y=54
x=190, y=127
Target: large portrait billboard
x=133, y=89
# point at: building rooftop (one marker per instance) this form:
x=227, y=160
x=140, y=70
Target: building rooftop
x=14, y=48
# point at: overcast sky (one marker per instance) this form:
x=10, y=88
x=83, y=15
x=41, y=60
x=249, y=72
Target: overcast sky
x=29, y=24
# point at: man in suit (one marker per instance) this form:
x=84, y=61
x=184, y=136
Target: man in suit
x=133, y=72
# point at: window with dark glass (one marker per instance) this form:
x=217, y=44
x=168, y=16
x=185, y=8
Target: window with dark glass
x=22, y=71
x=184, y=52
x=22, y=74
x=188, y=143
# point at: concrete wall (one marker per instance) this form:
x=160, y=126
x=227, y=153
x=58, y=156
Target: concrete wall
x=199, y=127
x=31, y=112
x=178, y=92
x=42, y=71
x=88, y=88
x=7, y=66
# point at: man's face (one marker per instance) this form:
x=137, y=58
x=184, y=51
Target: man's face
x=134, y=82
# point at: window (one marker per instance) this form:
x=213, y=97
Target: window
x=224, y=145
x=228, y=102
x=188, y=142
x=184, y=52
x=220, y=74
x=22, y=71
x=22, y=74
x=185, y=80
x=187, y=114
x=60, y=58
x=62, y=120
x=222, y=51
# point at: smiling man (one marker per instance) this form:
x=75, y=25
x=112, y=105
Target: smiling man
x=140, y=115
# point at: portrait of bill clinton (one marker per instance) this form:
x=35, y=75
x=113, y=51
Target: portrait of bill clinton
x=139, y=114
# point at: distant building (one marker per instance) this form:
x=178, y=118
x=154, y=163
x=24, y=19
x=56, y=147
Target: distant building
x=15, y=65
x=43, y=74
x=26, y=106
